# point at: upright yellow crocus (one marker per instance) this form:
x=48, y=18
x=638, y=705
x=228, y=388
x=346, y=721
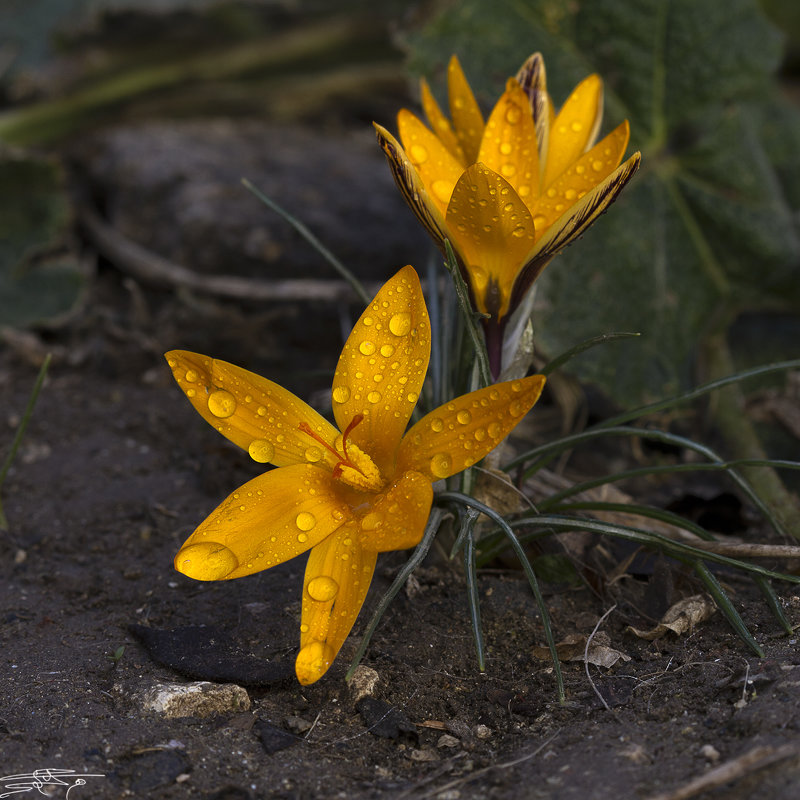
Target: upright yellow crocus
x=509, y=193
x=345, y=496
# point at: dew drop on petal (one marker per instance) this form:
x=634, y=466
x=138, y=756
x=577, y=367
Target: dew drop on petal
x=312, y=662
x=374, y=397
x=442, y=190
x=516, y=386
x=322, y=588
x=190, y=392
x=464, y=417
x=513, y=115
x=516, y=408
x=437, y=424
x=479, y=434
x=313, y=454
x=418, y=153
x=191, y=376
x=577, y=127
x=367, y=348
x=304, y=628
x=207, y=561
x=441, y=465
x=597, y=165
x=305, y=521
x=341, y=394
x=367, y=321
x=400, y=324
x=539, y=221
x=261, y=450
x=412, y=397
x=371, y=521
x=221, y=404
x=494, y=430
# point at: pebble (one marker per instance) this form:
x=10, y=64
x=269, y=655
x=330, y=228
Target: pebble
x=198, y=699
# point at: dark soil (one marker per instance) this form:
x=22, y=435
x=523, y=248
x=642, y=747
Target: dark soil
x=116, y=470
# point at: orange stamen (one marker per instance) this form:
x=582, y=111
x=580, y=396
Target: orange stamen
x=342, y=461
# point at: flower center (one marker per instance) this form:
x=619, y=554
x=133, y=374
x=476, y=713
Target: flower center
x=354, y=467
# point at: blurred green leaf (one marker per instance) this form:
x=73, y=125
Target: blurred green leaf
x=708, y=228
x=37, y=281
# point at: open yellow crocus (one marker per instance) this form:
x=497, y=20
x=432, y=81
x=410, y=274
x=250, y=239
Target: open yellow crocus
x=511, y=192
x=345, y=494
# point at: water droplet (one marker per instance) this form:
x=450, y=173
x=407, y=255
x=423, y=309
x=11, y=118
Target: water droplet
x=464, y=417
x=337, y=515
x=580, y=169
x=261, y=450
x=400, y=324
x=341, y=394
x=261, y=411
x=207, y=561
x=190, y=392
x=418, y=153
x=191, y=376
x=248, y=398
x=494, y=430
x=322, y=588
x=551, y=192
x=505, y=148
x=313, y=661
x=508, y=170
x=367, y=348
x=516, y=386
x=371, y=521
x=539, y=222
x=441, y=465
x=570, y=194
x=221, y=404
x=494, y=394
x=513, y=115
x=313, y=454
x=519, y=231
x=412, y=397
x=480, y=434
x=367, y=321
x=305, y=521
x=523, y=190
x=577, y=127
x=374, y=397
x=442, y=190
x=516, y=408
x=437, y=424
x=304, y=628
x=597, y=165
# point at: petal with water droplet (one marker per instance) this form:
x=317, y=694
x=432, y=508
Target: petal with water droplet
x=245, y=407
x=493, y=230
x=401, y=514
x=464, y=443
x=509, y=148
x=297, y=506
x=431, y=159
x=575, y=127
x=464, y=111
x=399, y=325
x=328, y=616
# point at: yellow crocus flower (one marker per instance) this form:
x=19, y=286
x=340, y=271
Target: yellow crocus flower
x=345, y=494
x=512, y=191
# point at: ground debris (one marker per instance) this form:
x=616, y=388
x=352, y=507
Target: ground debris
x=681, y=618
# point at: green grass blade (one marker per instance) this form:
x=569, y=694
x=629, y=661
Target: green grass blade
x=583, y=346
x=661, y=405
x=464, y=500
x=416, y=559
x=726, y=606
x=358, y=288
x=773, y=602
x=472, y=592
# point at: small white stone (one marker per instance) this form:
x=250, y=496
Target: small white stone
x=709, y=752
x=199, y=699
x=363, y=682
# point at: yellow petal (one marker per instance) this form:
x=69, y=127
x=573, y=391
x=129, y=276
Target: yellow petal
x=382, y=368
x=440, y=124
x=576, y=219
x=412, y=188
x=253, y=412
x=575, y=127
x=433, y=162
x=270, y=519
x=460, y=433
x=493, y=231
x=509, y=145
x=396, y=520
x=581, y=177
x=337, y=578
x=464, y=111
